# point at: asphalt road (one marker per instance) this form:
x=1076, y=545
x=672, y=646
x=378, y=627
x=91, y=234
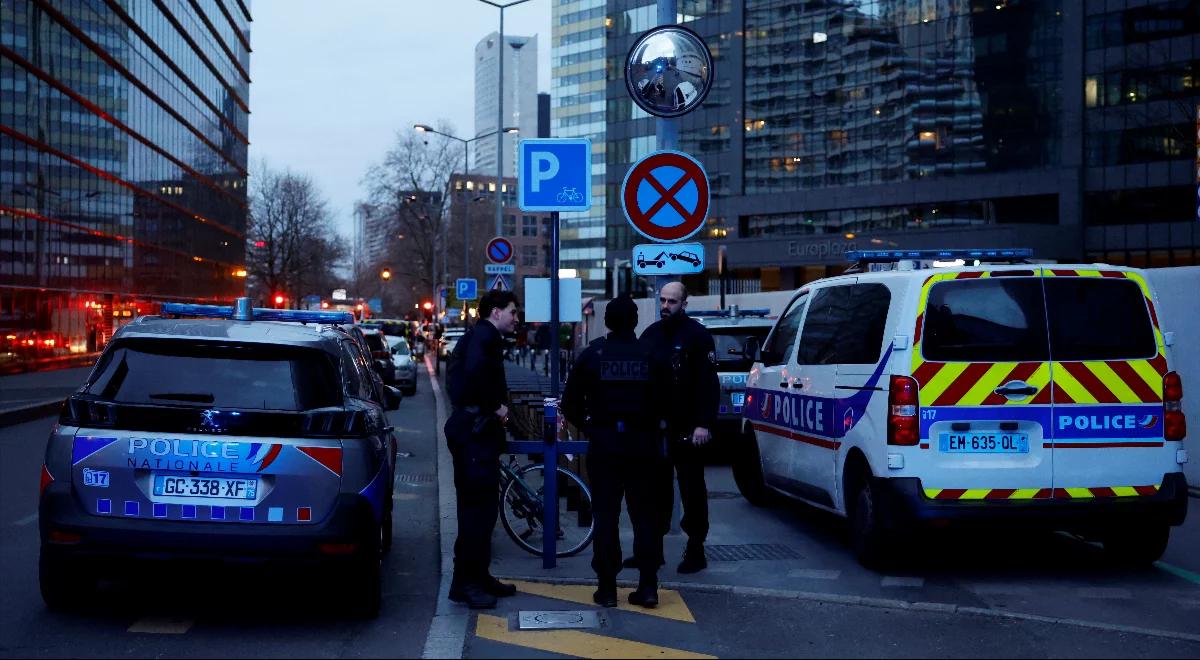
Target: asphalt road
x=238, y=612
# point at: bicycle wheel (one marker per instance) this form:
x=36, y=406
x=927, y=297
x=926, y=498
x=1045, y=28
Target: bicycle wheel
x=521, y=511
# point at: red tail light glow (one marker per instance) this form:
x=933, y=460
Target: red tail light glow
x=1174, y=421
x=904, y=407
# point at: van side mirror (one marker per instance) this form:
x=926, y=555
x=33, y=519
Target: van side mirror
x=391, y=398
x=751, y=349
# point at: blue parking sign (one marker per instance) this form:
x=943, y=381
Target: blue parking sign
x=467, y=288
x=554, y=174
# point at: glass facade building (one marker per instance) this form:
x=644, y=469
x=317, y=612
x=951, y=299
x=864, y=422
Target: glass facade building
x=123, y=147
x=578, y=98
x=1067, y=127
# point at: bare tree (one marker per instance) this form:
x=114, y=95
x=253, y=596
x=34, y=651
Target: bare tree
x=292, y=246
x=412, y=186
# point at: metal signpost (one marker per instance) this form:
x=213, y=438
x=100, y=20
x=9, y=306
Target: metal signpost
x=553, y=175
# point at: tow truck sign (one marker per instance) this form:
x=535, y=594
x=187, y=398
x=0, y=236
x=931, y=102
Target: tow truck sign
x=668, y=259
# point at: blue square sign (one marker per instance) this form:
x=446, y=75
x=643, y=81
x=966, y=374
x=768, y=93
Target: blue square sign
x=554, y=174
x=466, y=288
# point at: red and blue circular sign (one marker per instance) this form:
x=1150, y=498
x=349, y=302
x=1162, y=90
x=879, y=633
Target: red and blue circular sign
x=665, y=196
x=499, y=250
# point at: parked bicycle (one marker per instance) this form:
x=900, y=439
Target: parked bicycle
x=521, y=508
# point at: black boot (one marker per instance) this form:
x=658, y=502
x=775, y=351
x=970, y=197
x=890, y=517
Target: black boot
x=694, y=560
x=494, y=587
x=647, y=592
x=606, y=592
x=472, y=595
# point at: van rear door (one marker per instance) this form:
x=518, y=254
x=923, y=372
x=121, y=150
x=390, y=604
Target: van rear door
x=1108, y=366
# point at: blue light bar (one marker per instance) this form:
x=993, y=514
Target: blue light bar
x=260, y=313
x=723, y=313
x=885, y=256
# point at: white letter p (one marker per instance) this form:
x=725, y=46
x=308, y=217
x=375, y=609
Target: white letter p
x=543, y=173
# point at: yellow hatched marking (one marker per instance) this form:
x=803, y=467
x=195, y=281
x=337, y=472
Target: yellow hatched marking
x=1024, y=493
x=1113, y=382
x=991, y=379
x=574, y=643
x=942, y=380
x=670, y=603
x=1077, y=392
x=932, y=493
x=975, y=494
x=1148, y=374
x=1080, y=493
x=1124, y=491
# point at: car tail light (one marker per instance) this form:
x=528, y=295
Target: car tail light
x=338, y=548
x=904, y=407
x=47, y=479
x=64, y=538
x=1174, y=422
x=335, y=423
x=77, y=411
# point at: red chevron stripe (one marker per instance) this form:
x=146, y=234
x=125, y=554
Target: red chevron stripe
x=927, y=371
x=1065, y=273
x=961, y=385
x=1019, y=372
x=1061, y=396
x=951, y=493
x=1045, y=396
x=1153, y=314
x=966, y=275
x=1044, y=494
x=917, y=330
x=1160, y=364
x=1134, y=381
x=1103, y=492
x=1146, y=490
x=999, y=493
x=1112, y=273
x=1089, y=381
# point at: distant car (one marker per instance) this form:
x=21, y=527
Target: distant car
x=199, y=440
x=450, y=337
x=381, y=357
x=405, y=367
x=689, y=257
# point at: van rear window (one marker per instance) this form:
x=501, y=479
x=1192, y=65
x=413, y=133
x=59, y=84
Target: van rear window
x=172, y=372
x=1098, y=319
x=986, y=320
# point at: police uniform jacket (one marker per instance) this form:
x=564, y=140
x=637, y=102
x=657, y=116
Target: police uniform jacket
x=613, y=395
x=684, y=350
x=475, y=379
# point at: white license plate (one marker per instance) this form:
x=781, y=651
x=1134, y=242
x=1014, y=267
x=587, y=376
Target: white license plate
x=984, y=443
x=737, y=398
x=173, y=485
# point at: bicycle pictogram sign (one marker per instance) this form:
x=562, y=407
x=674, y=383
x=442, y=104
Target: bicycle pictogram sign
x=570, y=195
x=665, y=196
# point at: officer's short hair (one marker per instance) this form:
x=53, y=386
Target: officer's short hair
x=496, y=300
x=682, y=289
x=621, y=315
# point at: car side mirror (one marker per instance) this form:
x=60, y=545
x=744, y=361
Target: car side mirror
x=752, y=350
x=391, y=398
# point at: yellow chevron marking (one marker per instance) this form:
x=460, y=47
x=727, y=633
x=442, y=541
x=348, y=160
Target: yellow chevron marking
x=975, y=494
x=670, y=603
x=991, y=379
x=932, y=493
x=1148, y=374
x=942, y=380
x=1089, y=273
x=574, y=643
x=1113, y=382
x=1124, y=491
x=1064, y=380
x=1039, y=379
x=1080, y=493
x=1024, y=494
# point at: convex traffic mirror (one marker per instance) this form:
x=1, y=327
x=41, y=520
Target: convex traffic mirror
x=669, y=71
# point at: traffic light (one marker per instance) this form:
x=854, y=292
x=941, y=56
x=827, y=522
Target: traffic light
x=386, y=273
x=278, y=300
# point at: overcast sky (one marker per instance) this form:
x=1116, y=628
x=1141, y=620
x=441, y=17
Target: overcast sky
x=332, y=82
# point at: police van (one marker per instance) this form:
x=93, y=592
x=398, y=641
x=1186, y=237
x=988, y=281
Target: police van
x=730, y=329
x=970, y=386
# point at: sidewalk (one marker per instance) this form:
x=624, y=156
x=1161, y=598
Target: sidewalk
x=36, y=394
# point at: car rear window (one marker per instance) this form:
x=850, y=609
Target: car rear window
x=212, y=374
x=986, y=320
x=1098, y=319
x=375, y=342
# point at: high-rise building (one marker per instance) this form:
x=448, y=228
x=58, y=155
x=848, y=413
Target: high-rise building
x=123, y=141
x=520, y=98
x=1066, y=127
x=578, y=99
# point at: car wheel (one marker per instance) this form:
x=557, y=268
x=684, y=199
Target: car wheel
x=868, y=536
x=364, y=579
x=65, y=586
x=1137, y=546
x=747, y=472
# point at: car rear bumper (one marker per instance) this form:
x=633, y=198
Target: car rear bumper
x=904, y=504
x=351, y=521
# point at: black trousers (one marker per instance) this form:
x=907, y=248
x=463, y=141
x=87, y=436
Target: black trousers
x=477, y=491
x=688, y=462
x=638, y=479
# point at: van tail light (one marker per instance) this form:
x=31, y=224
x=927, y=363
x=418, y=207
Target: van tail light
x=47, y=479
x=78, y=411
x=1174, y=422
x=904, y=408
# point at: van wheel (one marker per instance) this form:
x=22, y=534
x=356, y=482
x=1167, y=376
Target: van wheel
x=65, y=585
x=868, y=537
x=1138, y=546
x=747, y=472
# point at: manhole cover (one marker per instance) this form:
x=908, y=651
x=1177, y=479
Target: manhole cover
x=415, y=478
x=557, y=619
x=750, y=552
x=723, y=495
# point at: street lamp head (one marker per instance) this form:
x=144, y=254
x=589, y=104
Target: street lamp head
x=512, y=129
x=422, y=128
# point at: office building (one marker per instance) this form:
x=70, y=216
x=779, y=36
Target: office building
x=123, y=140
x=520, y=98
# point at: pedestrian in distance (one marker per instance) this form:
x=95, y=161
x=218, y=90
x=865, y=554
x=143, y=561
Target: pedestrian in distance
x=689, y=357
x=476, y=437
x=610, y=394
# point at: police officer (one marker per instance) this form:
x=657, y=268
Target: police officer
x=610, y=396
x=688, y=354
x=476, y=437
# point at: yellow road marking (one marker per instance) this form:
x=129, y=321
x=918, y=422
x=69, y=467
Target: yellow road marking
x=156, y=625
x=574, y=643
x=670, y=603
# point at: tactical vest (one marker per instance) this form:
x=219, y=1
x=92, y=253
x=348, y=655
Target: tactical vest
x=623, y=385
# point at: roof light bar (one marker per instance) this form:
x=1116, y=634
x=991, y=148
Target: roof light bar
x=256, y=314
x=887, y=256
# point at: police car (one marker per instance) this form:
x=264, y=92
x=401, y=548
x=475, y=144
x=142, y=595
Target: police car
x=988, y=391
x=730, y=329
x=221, y=433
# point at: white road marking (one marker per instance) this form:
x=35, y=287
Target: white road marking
x=895, y=581
x=814, y=574
x=1110, y=593
x=154, y=625
x=1000, y=590
x=26, y=520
